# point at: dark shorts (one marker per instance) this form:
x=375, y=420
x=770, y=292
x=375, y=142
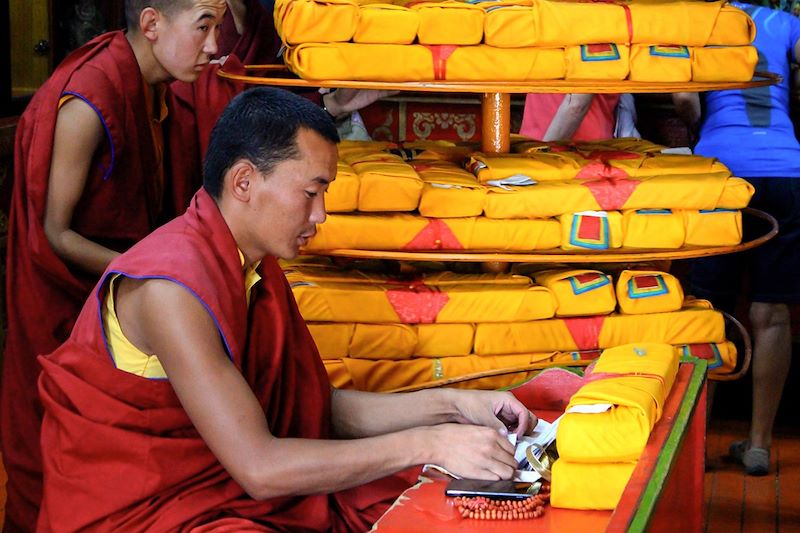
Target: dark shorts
x=769, y=273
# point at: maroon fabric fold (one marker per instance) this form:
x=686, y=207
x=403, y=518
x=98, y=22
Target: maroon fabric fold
x=118, y=207
x=120, y=453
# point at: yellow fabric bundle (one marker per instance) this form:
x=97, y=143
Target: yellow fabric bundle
x=620, y=433
x=352, y=61
x=545, y=199
x=717, y=227
x=652, y=228
x=733, y=27
x=386, y=24
x=728, y=63
x=379, y=376
x=449, y=191
x=589, y=486
x=311, y=21
x=342, y=193
x=418, y=302
x=510, y=26
x=687, y=326
x=481, y=63
x=391, y=341
x=735, y=195
x=332, y=339
x=644, y=291
x=449, y=22
x=388, y=184
x=523, y=145
x=661, y=63
x=689, y=191
x=338, y=374
x=721, y=357
x=352, y=150
x=684, y=22
x=579, y=292
x=597, y=61
x=565, y=23
x=439, y=150
x=591, y=230
x=539, y=166
x=410, y=233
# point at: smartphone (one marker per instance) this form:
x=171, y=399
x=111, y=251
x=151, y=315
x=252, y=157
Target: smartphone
x=505, y=489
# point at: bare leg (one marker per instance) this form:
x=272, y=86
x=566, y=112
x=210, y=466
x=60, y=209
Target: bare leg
x=772, y=355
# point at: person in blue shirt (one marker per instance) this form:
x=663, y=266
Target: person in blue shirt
x=751, y=131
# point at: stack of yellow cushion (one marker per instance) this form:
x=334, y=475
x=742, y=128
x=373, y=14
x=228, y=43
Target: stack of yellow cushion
x=607, y=423
x=516, y=40
x=380, y=332
x=384, y=374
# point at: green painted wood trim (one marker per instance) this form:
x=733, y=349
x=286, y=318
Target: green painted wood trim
x=669, y=453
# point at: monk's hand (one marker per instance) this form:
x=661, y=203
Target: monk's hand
x=498, y=410
x=473, y=452
x=343, y=101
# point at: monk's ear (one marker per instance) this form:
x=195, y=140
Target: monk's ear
x=239, y=180
x=149, y=20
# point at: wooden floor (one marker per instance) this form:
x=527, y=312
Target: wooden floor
x=738, y=503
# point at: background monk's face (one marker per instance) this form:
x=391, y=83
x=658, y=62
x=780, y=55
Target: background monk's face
x=287, y=204
x=187, y=39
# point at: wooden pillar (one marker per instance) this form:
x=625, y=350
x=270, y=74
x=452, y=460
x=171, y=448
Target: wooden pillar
x=496, y=124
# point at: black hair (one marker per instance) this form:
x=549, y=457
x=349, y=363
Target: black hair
x=133, y=8
x=261, y=125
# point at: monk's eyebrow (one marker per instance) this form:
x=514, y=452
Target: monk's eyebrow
x=205, y=15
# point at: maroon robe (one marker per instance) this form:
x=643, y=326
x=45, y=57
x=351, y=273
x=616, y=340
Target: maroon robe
x=120, y=453
x=118, y=208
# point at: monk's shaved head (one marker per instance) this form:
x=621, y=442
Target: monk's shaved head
x=133, y=8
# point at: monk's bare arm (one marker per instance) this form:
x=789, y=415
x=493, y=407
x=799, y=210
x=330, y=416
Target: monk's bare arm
x=238, y=9
x=363, y=414
x=568, y=117
x=78, y=135
x=161, y=317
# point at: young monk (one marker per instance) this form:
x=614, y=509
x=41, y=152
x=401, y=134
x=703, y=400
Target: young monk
x=190, y=392
x=94, y=173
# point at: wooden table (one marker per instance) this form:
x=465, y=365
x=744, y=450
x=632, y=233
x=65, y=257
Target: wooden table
x=665, y=492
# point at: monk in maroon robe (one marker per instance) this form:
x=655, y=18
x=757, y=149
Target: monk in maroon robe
x=102, y=158
x=190, y=393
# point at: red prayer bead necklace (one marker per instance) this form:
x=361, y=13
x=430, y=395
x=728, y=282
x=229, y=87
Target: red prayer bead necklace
x=482, y=508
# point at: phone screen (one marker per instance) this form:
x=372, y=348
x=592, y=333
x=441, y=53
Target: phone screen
x=507, y=489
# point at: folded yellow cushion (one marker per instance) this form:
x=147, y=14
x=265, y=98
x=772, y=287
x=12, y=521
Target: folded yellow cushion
x=387, y=185
x=332, y=340
x=579, y=292
x=409, y=232
x=413, y=302
x=661, y=63
x=589, y=486
x=355, y=61
x=652, y=228
x=591, y=230
x=687, y=326
x=342, y=193
x=386, y=24
x=643, y=291
x=728, y=63
x=733, y=27
x=449, y=191
x=449, y=22
x=379, y=376
x=716, y=227
x=597, y=61
x=721, y=357
x=304, y=21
